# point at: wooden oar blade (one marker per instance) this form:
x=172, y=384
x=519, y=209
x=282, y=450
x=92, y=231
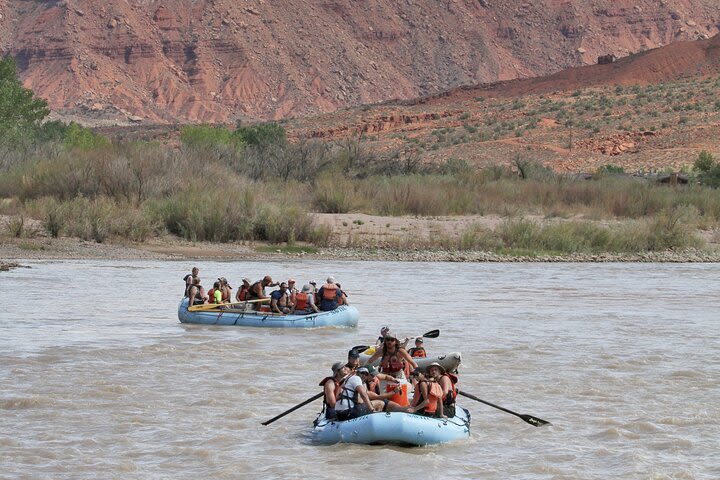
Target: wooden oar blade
x=534, y=421
x=432, y=334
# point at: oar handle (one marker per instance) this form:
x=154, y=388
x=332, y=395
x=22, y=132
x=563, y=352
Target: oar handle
x=311, y=399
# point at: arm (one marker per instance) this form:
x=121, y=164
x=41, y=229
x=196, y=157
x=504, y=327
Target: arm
x=191, y=295
x=417, y=406
x=274, y=305
x=375, y=356
x=364, y=395
x=404, y=354
x=387, y=378
x=311, y=302
x=329, y=389
x=445, y=384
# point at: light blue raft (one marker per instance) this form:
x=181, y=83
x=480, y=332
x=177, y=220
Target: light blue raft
x=395, y=428
x=344, y=316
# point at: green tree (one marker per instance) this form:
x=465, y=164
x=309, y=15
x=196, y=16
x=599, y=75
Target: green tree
x=20, y=111
x=708, y=169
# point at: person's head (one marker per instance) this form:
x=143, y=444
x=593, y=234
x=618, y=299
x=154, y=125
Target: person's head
x=340, y=369
x=307, y=288
x=417, y=374
x=267, y=280
x=330, y=280
x=419, y=342
x=365, y=373
x=435, y=370
x=216, y=285
x=224, y=282
x=246, y=281
x=283, y=286
x=196, y=280
x=353, y=358
x=291, y=283
x=195, y=271
x=390, y=340
x=384, y=330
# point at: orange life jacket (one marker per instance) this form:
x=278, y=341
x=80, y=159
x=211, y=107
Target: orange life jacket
x=329, y=291
x=301, y=301
x=418, y=352
x=391, y=363
x=434, y=393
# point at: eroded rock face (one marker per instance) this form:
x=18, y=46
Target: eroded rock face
x=216, y=61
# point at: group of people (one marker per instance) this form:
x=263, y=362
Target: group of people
x=287, y=299
x=354, y=390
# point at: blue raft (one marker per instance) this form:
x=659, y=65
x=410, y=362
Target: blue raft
x=344, y=316
x=395, y=428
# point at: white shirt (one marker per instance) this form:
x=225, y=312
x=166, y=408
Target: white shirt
x=349, y=389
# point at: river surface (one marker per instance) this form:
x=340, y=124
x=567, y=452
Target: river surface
x=99, y=380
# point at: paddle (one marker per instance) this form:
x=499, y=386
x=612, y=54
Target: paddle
x=534, y=421
x=431, y=334
x=213, y=306
x=311, y=399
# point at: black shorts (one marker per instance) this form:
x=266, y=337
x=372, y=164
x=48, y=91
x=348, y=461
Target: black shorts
x=357, y=411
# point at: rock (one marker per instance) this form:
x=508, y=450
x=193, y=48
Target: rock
x=581, y=50
x=112, y=23
x=96, y=107
x=252, y=11
x=135, y=119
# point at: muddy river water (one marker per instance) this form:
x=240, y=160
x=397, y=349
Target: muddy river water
x=99, y=380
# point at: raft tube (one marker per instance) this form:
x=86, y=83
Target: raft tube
x=343, y=316
x=393, y=428
x=449, y=362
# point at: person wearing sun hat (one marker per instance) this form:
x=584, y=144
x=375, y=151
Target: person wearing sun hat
x=242, y=293
x=393, y=358
x=447, y=382
x=345, y=396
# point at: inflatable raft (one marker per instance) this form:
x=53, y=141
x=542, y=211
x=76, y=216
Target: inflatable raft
x=450, y=361
x=395, y=428
x=344, y=316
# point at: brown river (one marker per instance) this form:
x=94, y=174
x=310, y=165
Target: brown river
x=99, y=380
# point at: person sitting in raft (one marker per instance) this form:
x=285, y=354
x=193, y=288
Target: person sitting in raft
x=257, y=289
x=242, y=292
x=342, y=300
x=279, y=300
x=189, y=278
x=380, y=401
x=305, y=301
x=196, y=293
x=381, y=338
x=447, y=382
x=393, y=357
x=427, y=399
x=292, y=290
x=329, y=295
x=353, y=400
x=226, y=290
x=331, y=389
x=215, y=293
x=418, y=351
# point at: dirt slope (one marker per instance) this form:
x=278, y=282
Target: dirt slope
x=220, y=60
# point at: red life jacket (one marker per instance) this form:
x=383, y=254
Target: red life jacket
x=329, y=291
x=449, y=399
x=211, y=296
x=243, y=295
x=391, y=363
x=302, y=301
x=338, y=387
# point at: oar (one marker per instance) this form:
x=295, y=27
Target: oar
x=311, y=399
x=431, y=334
x=213, y=306
x=534, y=421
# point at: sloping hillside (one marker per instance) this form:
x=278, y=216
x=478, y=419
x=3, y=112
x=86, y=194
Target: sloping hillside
x=221, y=60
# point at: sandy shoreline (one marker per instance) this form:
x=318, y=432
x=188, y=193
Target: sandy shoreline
x=14, y=251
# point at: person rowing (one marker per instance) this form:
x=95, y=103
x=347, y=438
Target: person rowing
x=392, y=357
x=257, y=289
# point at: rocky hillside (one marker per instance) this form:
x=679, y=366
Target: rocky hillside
x=221, y=60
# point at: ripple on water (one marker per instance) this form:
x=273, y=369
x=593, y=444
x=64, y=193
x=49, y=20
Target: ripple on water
x=25, y=403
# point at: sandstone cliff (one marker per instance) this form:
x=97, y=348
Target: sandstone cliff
x=205, y=60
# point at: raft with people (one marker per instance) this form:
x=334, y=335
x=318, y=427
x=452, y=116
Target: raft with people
x=393, y=428
x=242, y=316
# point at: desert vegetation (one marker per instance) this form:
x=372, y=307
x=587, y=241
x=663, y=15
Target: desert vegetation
x=253, y=183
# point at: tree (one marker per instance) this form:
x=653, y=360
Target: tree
x=20, y=111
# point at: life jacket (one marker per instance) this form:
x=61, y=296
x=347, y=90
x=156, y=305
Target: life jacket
x=434, y=392
x=187, y=286
x=329, y=291
x=449, y=399
x=338, y=387
x=243, y=294
x=391, y=363
x=418, y=396
x=211, y=295
x=418, y=352
x=301, y=300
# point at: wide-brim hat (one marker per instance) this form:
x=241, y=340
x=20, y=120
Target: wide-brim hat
x=435, y=364
x=389, y=334
x=337, y=366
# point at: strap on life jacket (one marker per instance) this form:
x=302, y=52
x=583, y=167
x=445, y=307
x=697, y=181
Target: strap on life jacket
x=338, y=386
x=301, y=301
x=450, y=398
x=392, y=363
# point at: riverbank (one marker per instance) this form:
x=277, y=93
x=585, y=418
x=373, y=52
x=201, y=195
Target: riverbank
x=173, y=249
